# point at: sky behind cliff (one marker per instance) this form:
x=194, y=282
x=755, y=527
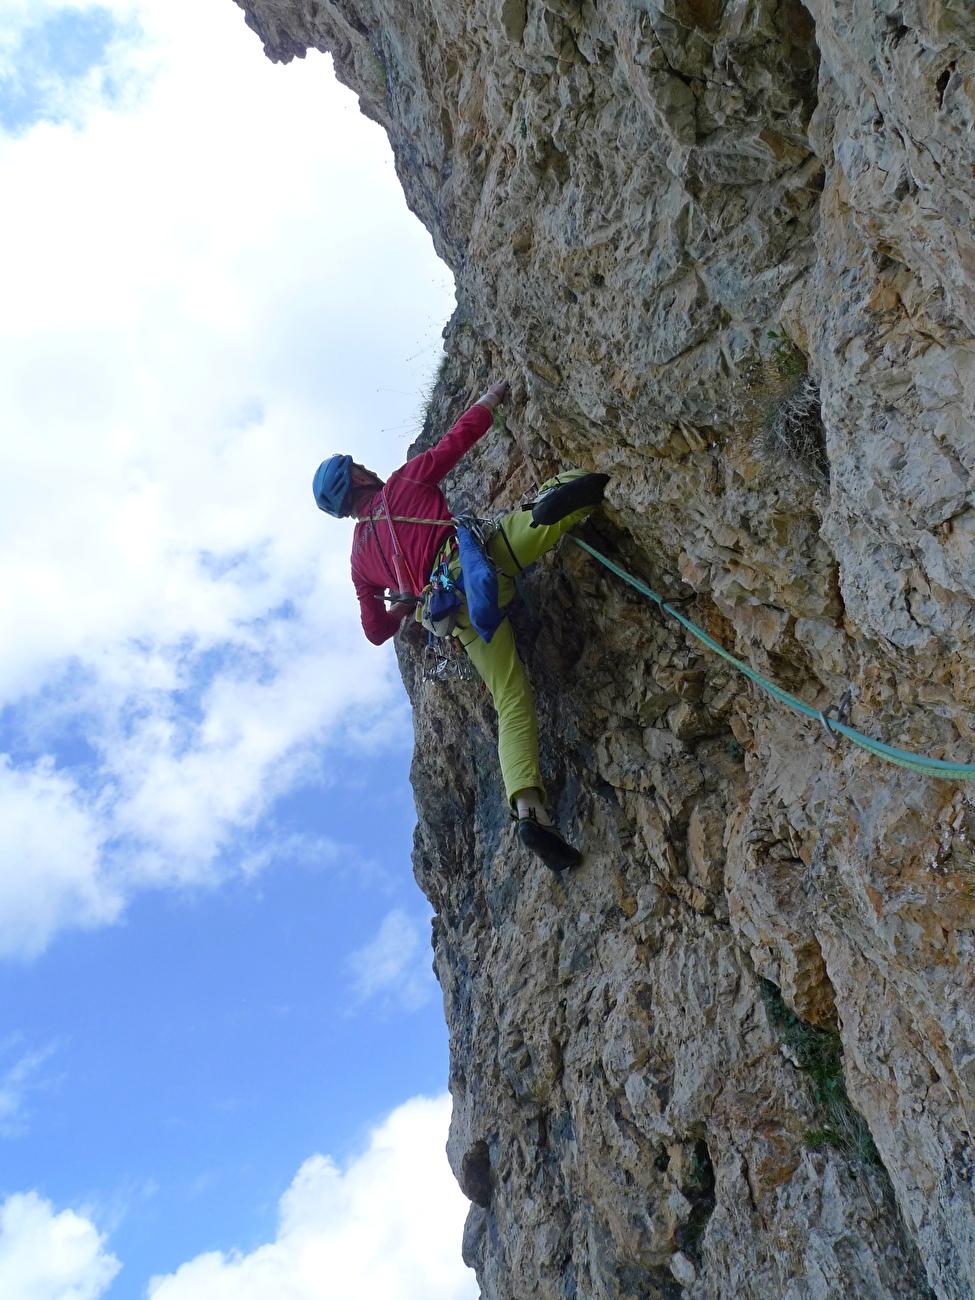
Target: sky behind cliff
x=214, y=964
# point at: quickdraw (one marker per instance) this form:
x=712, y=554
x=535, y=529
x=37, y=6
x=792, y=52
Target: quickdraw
x=444, y=660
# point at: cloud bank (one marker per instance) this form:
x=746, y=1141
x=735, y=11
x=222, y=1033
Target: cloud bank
x=48, y=1256
x=208, y=283
x=58, y=61
x=387, y=1226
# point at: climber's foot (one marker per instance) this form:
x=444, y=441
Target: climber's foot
x=566, y=498
x=546, y=843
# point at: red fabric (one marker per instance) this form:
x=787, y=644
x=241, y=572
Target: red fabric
x=412, y=491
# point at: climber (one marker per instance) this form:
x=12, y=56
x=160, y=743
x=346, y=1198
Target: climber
x=405, y=531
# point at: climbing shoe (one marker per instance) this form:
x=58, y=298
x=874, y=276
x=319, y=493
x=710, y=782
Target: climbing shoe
x=566, y=498
x=546, y=843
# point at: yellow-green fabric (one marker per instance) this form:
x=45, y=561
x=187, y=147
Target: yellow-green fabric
x=497, y=661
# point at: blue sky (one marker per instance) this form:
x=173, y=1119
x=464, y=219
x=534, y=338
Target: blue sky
x=217, y=1019
x=48, y=57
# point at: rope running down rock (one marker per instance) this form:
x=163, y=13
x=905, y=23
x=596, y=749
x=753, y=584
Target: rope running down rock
x=902, y=758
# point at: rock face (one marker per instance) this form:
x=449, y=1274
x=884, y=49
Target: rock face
x=725, y=250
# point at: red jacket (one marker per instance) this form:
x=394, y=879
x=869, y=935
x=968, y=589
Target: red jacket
x=412, y=492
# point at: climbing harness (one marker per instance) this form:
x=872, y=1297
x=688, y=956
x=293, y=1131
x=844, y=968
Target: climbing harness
x=900, y=757
x=439, y=601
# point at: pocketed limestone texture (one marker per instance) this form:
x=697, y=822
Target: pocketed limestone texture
x=724, y=250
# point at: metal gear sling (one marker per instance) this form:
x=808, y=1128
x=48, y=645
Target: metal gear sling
x=405, y=581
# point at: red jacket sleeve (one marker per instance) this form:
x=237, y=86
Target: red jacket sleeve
x=377, y=622
x=432, y=465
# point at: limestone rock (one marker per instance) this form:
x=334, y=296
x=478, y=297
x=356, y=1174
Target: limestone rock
x=724, y=251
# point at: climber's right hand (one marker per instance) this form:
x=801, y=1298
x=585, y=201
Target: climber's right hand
x=402, y=608
x=495, y=395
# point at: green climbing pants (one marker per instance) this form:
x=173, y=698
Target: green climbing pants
x=497, y=661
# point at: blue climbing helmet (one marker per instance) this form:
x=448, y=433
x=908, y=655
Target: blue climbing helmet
x=331, y=484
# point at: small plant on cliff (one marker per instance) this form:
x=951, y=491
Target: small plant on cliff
x=794, y=429
x=698, y=1188
x=786, y=357
x=792, y=425
x=433, y=396
x=432, y=392
x=820, y=1055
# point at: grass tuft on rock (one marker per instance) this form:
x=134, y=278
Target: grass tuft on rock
x=779, y=404
x=698, y=1188
x=792, y=423
x=432, y=392
x=793, y=428
x=819, y=1053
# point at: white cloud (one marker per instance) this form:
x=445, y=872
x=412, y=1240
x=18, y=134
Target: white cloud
x=203, y=295
x=48, y=1256
x=59, y=61
x=49, y=867
x=396, y=964
x=16, y=1081
x=388, y=1226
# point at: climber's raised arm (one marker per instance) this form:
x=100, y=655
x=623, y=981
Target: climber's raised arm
x=431, y=466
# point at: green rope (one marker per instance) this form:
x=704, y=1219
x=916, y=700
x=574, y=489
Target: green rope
x=916, y=762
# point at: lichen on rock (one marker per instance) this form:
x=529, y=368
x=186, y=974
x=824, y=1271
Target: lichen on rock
x=668, y=220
